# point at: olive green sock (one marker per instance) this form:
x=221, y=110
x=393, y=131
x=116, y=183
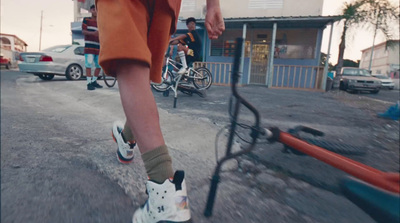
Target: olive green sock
x=127, y=134
x=158, y=164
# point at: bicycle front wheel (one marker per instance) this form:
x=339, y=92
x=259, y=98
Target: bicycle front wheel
x=202, y=78
x=109, y=80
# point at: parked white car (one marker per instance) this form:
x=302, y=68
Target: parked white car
x=64, y=60
x=386, y=81
x=357, y=79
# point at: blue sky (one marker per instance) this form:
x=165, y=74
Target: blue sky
x=22, y=18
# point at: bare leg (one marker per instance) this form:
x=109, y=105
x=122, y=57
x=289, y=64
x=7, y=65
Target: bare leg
x=88, y=72
x=139, y=105
x=182, y=48
x=97, y=72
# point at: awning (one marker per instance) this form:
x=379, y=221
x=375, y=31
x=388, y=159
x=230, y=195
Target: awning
x=282, y=22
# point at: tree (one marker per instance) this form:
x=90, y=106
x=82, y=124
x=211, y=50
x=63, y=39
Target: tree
x=379, y=14
x=348, y=63
x=351, y=17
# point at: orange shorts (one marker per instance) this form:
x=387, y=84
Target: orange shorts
x=137, y=30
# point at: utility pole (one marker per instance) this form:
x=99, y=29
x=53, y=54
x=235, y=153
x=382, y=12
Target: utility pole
x=40, y=38
x=373, y=45
x=378, y=18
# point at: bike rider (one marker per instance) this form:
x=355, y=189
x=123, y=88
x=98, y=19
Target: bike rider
x=189, y=45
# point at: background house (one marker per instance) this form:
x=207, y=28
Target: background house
x=385, y=58
x=11, y=46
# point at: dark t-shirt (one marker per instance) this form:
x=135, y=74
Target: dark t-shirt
x=194, y=43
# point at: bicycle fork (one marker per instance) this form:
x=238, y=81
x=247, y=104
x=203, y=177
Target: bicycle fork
x=175, y=89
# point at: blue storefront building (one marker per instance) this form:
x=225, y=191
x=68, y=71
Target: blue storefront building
x=281, y=52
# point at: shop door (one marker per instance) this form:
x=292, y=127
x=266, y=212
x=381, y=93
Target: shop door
x=259, y=62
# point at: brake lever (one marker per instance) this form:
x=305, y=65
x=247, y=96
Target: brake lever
x=295, y=132
x=306, y=129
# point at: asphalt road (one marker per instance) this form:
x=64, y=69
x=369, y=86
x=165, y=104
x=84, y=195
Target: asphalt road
x=386, y=95
x=58, y=160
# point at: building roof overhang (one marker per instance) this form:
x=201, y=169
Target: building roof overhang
x=387, y=43
x=11, y=35
x=282, y=22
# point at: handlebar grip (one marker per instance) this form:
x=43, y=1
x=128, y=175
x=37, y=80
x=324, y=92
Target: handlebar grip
x=211, y=196
x=310, y=130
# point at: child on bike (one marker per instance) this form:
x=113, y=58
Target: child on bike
x=189, y=45
x=134, y=36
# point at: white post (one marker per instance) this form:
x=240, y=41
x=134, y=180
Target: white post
x=243, y=48
x=40, y=37
x=76, y=10
x=373, y=42
x=204, y=46
x=328, y=55
x=251, y=55
x=270, y=70
x=372, y=52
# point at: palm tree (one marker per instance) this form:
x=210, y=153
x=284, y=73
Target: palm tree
x=379, y=14
x=351, y=17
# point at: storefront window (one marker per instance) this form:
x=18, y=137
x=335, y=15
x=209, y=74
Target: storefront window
x=295, y=43
x=225, y=45
x=290, y=43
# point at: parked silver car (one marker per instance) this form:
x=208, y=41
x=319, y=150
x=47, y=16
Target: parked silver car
x=357, y=79
x=387, y=82
x=64, y=60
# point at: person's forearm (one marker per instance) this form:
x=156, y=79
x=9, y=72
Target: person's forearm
x=212, y=3
x=175, y=40
x=87, y=33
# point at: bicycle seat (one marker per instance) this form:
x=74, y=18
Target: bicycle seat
x=381, y=205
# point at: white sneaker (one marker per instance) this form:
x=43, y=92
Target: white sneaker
x=125, y=149
x=183, y=70
x=167, y=202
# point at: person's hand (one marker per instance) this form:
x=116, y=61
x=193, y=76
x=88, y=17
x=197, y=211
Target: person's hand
x=96, y=33
x=214, y=22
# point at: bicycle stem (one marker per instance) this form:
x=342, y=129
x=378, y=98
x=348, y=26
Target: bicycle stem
x=254, y=134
